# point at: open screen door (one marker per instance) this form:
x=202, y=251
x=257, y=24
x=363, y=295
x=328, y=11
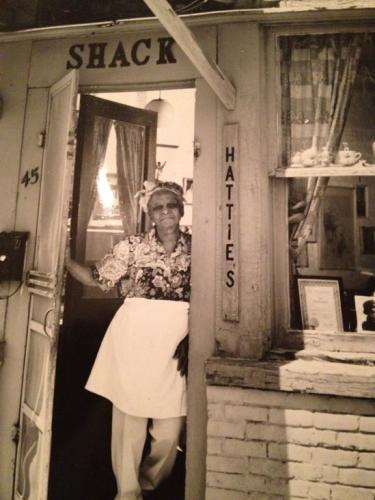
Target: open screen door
x=45, y=285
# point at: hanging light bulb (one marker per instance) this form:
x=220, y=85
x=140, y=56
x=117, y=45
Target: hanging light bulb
x=164, y=109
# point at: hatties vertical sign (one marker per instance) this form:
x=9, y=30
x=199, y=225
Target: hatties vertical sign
x=230, y=304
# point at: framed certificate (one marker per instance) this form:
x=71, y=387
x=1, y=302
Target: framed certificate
x=320, y=301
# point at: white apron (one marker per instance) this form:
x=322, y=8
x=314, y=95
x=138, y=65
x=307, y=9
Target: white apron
x=134, y=367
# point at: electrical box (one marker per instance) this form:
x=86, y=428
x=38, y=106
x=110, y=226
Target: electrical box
x=12, y=255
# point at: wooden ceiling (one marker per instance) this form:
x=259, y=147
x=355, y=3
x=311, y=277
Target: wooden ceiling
x=20, y=14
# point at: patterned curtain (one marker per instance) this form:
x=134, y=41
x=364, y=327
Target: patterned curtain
x=130, y=172
x=317, y=77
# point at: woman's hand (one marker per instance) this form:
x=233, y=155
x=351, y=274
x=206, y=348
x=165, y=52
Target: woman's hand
x=78, y=271
x=182, y=356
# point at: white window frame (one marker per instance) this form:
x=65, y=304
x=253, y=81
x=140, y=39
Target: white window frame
x=353, y=344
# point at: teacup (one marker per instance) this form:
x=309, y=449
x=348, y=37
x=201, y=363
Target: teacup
x=347, y=157
x=309, y=157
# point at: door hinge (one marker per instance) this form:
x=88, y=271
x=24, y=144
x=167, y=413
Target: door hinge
x=2, y=352
x=41, y=139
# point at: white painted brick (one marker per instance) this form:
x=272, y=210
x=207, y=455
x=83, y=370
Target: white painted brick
x=218, y=494
x=299, y=488
x=310, y=472
x=298, y=418
x=289, y=452
x=271, y=486
x=265, y=398
x=313, y=402
x=214, y=445
x=238, y=448
x=265, y=432
x=325, y=438
x=367, y=424
x=357, y=477
x=347, y=493
x=341, y=458
x=319, y=491
x=227, y=464
x=226, y=429
x=297, y=435
x=255, y=483
x=366, y=461
x=294, y=435
x=250, y=413
x=310, y=436
x=215, y=411
x=222, y=480
x=217, y=394
x=356, y=441
x=269, y=468
x=264, y=496
x=336, y=422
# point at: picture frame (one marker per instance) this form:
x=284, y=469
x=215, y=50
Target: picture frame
x=364, y=323
x=321, y=303
x=368, y=240
x=362, y=202
x=337, y=229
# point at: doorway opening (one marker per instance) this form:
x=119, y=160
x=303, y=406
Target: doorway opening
x=103, y=211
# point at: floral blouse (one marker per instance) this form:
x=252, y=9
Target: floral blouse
x=140, y=267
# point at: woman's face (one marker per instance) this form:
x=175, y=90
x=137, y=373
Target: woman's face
x=164, y=210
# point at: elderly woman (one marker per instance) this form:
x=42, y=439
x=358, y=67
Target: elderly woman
x=141, y=363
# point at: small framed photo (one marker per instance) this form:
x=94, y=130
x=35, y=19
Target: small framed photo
x=365, y=313
x=321, y=300
x=368, y=240
x=362, y=201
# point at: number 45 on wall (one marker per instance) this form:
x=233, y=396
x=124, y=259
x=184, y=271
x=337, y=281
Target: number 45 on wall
x=31, y=176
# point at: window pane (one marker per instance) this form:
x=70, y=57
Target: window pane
x=331, y=219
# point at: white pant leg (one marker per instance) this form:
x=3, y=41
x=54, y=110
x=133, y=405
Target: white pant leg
x=158, y=464
x=128, y=439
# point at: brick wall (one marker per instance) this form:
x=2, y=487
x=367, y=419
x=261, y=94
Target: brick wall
x=266, y=445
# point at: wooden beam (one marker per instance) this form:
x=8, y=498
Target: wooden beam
x=188, y=44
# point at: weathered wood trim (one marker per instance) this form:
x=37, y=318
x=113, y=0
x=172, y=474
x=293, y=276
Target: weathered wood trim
x=328, y=341
x=188, y=44
x=314, y=377
x=2, y=351
x=270, y=16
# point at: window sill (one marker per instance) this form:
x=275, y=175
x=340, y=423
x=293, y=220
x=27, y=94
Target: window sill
x=331, y=171
x=348, y=342
x=313, y=376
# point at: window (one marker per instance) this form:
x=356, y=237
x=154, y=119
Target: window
x=327, y=163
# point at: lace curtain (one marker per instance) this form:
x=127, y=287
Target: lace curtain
x=96, y=141
x=130, y=172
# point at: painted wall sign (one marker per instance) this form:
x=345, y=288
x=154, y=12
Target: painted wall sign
x=96, y=55
x=230, y=304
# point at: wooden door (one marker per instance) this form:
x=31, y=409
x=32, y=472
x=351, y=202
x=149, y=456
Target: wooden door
x=45, y=284
x=82, y=420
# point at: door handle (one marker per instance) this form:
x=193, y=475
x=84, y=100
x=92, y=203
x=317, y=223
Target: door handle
x=45, y=322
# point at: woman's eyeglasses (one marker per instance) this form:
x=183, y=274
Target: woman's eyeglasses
x=158, y=209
